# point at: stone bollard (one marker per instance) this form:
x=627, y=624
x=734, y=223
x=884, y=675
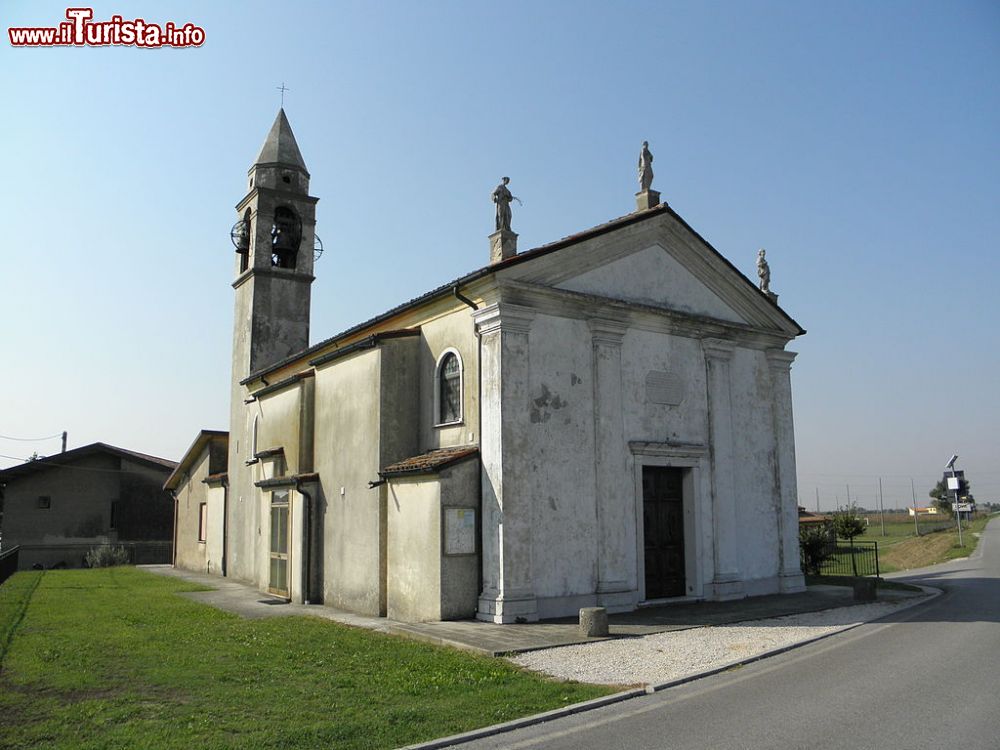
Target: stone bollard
x=865, y=589
x=593, y=622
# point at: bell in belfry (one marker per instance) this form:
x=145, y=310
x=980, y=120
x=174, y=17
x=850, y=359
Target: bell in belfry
x=286, y=236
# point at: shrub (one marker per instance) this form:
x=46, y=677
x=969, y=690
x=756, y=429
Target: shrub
x=106, y=556
x=815, y=544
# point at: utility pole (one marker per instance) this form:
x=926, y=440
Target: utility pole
x=881, y=505
x=913, y=500
x=954, y=484
x=817, y=499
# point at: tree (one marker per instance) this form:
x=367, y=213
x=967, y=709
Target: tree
x=943, y=497
x=848, y=524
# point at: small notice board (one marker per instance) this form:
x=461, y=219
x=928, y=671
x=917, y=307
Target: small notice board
x=459, y=531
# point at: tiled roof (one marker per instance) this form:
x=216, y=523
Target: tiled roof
x=430, y=462
x=537, y=252
x=64, y=459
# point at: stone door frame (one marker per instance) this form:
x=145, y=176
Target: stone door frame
x=693, y=460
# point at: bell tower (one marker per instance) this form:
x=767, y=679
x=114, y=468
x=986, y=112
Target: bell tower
x=274, y=240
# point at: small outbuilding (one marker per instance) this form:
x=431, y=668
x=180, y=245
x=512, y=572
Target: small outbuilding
x=199, y=487
x=59, y=507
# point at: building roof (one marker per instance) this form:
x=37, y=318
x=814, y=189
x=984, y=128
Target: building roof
x=71, y=456
x=191, y=455
x=280, y=146
x=452, y=287
x=430, y=462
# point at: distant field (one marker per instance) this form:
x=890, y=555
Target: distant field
x=114, y=658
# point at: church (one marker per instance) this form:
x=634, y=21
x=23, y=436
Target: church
x=605, y=420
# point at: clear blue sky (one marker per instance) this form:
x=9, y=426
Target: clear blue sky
x=859, y=142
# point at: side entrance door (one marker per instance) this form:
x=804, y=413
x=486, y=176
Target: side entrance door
x=663, y=529
x=278, y=579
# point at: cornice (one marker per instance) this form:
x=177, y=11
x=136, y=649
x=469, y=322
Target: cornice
x=580, y=305
x=505, y=317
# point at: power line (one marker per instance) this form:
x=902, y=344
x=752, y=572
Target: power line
x=30, y=440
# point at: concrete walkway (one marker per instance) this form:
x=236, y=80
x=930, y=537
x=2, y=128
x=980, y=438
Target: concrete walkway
x=494, y=640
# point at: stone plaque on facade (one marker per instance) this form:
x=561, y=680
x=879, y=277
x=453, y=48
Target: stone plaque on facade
x=459, y=531
x=664, y=388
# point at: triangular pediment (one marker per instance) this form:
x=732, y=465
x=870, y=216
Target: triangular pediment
x=652, y=276
x=656, y=261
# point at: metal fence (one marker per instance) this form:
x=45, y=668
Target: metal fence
x=8, y=563
x=850, y=559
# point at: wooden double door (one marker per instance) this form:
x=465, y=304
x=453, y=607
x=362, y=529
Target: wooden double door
x=663, y=531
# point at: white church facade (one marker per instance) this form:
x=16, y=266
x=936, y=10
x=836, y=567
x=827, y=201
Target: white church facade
x=605, y=420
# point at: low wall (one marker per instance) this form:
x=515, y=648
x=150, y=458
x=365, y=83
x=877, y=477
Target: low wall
x=73, y=555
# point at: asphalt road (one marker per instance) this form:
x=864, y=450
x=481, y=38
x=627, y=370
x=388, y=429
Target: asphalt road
x=928, y=677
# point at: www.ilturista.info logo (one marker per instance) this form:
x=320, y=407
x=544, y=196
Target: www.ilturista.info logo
x=80, y=31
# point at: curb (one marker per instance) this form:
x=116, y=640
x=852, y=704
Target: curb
x=558, y=713
x=527, y=721
x=932, y=593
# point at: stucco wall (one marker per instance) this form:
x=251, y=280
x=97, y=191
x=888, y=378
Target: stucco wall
x=278, y=425
x=80, y=508
x=347, y=458
x=190, y=553
x=460, y=580
x=424, y=583
x=145, y=510
x=652, y=275
x=414, y=549
x=585, y=501
x=559, y=463
x=453, y=331
x=757, y=501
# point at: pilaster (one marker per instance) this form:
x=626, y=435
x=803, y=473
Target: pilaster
x=508, y=594
x=718, y=356
x=615, y=533
x=786, y=482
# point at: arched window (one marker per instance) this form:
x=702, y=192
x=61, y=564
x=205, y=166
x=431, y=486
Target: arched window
x=449, y=389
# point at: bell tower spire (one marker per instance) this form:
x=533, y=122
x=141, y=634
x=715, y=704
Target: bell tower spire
x=274, y=240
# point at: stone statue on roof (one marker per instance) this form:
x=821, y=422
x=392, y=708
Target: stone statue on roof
x=763, y=272
x=503, y=197
x=645, y=167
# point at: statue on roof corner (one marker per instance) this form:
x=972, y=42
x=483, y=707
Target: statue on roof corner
x=645, y=167
x=763, y=272
x=503, y=197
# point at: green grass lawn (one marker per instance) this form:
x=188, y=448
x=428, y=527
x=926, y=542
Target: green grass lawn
x=934, y=548
x=898, y=531
x=114, y=658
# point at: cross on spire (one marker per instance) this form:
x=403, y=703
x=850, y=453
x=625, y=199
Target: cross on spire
x=282, y=89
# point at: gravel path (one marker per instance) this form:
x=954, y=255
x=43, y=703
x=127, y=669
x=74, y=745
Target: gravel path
x=663, y=657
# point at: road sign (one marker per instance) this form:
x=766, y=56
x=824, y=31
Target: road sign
x=962, y=507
